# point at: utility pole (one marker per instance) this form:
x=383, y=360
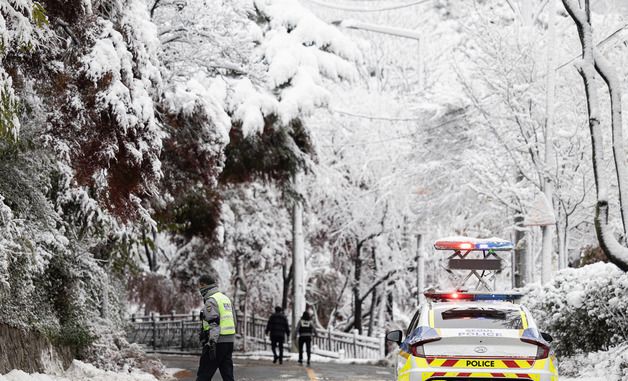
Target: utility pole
x=548, y=187
x=298, y=257
x=420, y=70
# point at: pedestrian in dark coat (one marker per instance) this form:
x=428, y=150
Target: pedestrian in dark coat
x=306, y=331
x=278, y=329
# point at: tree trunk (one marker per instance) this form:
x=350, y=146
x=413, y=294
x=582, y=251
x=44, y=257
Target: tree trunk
x=616, y=253
x=614, y=85
x=287, y=272
x=357, y=301
x=521, y=261
x=420, y=270
x=373, y=295
x=562, y=233
x=372, y=314
x=389, y=306
x=152, y=265
x=547, y=236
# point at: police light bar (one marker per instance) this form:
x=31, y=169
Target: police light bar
x=472, y=244
x=452, y=296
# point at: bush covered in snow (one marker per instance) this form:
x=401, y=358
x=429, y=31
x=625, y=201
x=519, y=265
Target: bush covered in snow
x=79, y=371
x=610, y=365
x=113, y=129
x=111, y=352
x=584, y=309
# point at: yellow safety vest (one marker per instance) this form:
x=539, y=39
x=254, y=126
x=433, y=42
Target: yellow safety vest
x=227, y=322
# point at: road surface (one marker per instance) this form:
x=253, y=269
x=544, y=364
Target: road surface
x=264, y=370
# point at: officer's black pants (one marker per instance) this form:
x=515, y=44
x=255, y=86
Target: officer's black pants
x=223, y=361
x=277, y=342
x=307, y=341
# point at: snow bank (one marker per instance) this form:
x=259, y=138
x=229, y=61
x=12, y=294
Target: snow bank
x=610, y=365
x=79, y=371
x=583, y=309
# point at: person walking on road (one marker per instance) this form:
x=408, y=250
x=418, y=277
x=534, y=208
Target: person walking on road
x=218, y=332
x=306, y=330
x=278, y=329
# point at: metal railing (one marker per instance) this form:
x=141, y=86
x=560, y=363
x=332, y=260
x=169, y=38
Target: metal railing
x=180, y=332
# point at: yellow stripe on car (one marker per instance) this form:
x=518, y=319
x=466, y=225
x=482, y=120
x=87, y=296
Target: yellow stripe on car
x=478, y=363
x=524, y=320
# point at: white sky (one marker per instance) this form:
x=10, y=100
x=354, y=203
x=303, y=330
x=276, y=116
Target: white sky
x=603, y=5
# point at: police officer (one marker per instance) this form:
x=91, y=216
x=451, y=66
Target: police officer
x=218, y=335
x=306, y=330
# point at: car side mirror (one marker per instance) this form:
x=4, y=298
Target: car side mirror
x=547, y=337
x=395, y=336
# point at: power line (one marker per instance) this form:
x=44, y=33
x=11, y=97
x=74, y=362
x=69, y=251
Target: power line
x=428, y=130
x=353, y=9
x=599, y=44
x=378, y=117
x=374, y=1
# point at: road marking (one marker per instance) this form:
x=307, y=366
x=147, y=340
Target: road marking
x=183, y=374
x=311, y=375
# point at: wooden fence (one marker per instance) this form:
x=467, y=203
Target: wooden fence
x=180, y=332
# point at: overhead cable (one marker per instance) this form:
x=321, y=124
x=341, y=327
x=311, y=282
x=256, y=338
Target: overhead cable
x=354, y=9
x=377, y=117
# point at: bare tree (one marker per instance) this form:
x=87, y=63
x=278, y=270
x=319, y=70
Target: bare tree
x=593, y=62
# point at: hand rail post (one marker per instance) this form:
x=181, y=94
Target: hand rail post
x=154, y=322
x=355, y=343
x=182, y=335
x=382, y=346
x=329, y=338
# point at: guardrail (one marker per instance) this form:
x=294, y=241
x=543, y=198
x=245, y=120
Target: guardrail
x=180, y=332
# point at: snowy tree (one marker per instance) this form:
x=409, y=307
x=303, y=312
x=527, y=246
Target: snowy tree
x=360, y=208
x=593, y=62
x=72, y=67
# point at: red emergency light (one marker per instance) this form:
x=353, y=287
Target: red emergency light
x=454, y=245
x=468, y=244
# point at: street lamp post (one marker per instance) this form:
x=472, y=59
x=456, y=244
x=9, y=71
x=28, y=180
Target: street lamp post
x=392, y=31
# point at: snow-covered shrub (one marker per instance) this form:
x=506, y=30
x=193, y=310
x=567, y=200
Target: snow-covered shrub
x=584, y=309
x=611, y=365
x=82, y=371
x=113, y=353
x=22, y=27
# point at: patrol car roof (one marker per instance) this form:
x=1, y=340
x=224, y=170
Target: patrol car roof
x=471, y=305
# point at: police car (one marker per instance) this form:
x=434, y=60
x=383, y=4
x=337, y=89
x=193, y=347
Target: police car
x=473, y=336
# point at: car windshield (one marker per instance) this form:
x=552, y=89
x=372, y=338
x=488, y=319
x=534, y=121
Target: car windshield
x=476, y=317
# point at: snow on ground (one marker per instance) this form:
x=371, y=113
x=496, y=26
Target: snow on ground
x=608, y=365
x=79, y=371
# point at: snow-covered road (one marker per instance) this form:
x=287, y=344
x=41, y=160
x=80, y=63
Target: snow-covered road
x=183, y=368
x=247, y=369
